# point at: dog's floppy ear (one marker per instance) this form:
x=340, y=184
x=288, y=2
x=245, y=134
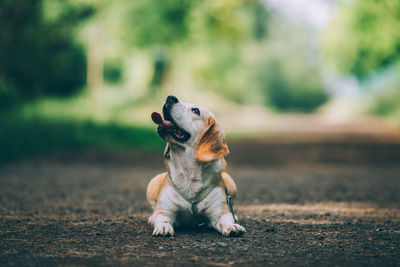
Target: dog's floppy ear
x=211, y=145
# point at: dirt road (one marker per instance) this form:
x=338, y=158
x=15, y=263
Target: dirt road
x=319, y=202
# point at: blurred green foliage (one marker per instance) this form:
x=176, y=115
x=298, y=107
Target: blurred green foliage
x=289, y=90
x=37, y=56
x=21, y=136
x=113, y=71
x=224, y=46
x=387, y=100
x=240, y=49
x=364, y=36
x=364, y=40
x=158, y=22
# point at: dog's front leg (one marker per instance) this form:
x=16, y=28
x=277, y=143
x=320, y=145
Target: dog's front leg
x=221, y=219
x=227, y=226
x=164, y=214
x=162, y=222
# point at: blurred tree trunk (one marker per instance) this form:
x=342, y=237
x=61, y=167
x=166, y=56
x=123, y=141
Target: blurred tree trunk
x=160, y=69
x=260, y=23
x=95, y=62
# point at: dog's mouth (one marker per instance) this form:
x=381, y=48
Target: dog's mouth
x=167, y=126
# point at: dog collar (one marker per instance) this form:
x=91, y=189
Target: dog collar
x=200, y=196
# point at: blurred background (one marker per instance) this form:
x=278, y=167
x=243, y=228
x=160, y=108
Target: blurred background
x=86, y=74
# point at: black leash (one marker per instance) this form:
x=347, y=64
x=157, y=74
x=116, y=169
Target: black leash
x=229, y=202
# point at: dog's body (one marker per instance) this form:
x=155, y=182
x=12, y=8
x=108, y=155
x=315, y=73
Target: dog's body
x=193, y=188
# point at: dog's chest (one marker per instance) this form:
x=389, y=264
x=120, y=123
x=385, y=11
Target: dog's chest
x=190, y=186
x=189, y=176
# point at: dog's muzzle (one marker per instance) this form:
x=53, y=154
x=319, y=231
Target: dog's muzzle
x=170, y=127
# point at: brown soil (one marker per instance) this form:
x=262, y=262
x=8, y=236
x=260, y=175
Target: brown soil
x=321, y=202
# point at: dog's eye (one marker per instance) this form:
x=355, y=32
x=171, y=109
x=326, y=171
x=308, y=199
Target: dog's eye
x=196, y=111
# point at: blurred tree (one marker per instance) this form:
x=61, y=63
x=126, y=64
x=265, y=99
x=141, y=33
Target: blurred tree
x=386, y=101
x=260, y=22
x=38, y=55
x=158, y=22
x=288, y=89
x=158, y=25
x=163, y=25
x=229, y=35
x=364, y=36
x=112, y=72
x=160, y=67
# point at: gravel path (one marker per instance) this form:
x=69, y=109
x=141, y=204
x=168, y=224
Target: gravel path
x=320, y=203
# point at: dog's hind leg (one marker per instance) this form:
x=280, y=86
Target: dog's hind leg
x=229, y=183
x=154, y=188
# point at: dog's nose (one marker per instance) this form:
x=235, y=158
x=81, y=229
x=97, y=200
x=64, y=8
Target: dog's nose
x=172, y=99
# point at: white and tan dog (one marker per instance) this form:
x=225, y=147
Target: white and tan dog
x=194, y=188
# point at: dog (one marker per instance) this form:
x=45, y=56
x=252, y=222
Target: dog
x=195, y=188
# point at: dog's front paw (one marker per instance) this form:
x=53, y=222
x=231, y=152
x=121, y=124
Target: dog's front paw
x=152, y=220
x=163, y=229
x=233, y=230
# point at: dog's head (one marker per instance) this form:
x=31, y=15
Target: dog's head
x=191, y=125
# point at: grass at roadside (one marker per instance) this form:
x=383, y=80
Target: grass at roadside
x=71, y=124
x=21, y=137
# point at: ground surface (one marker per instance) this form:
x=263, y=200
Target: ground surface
x=326, y=201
